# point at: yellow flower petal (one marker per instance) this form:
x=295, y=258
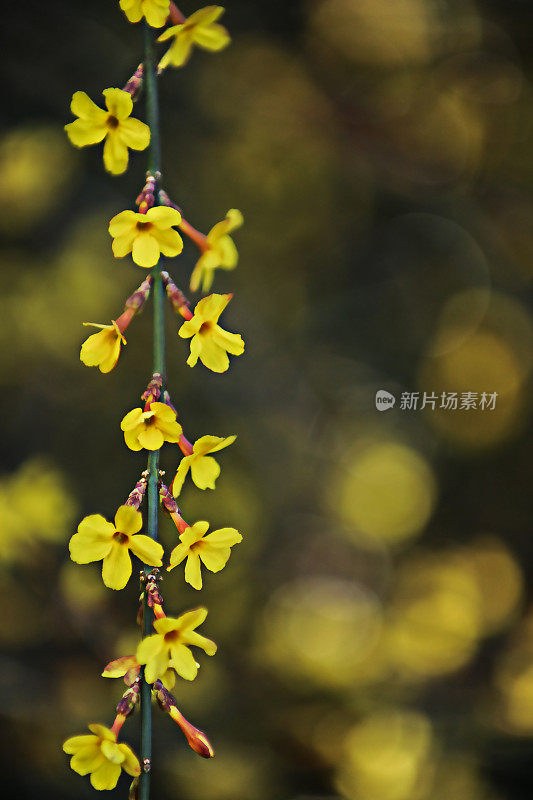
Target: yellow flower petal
x=123, y=245
x=232, y=342
x=116, y=567
x=145, y=250
x=112, y=752
x=169, y=241
x=163, y=217
x=84, y=550
x=132, y=419
x=179, y=52
x=157, y=666
x=150, y=647
x=210, y=308
x=134, y=133
x=212, y=37
x=224, y=537
x=82, y=106
x=74, y=743
x=87, y=759
x=184, y=663
x=156, y=12
x=119, y=667
x=82, y=133
x=205, y=16
x=131, y=762
x=212, y=444
x=193, y=573
x=132, y=9
x=145, y=548
x=128, y=520
x=151, y=438
x=101, y=731
x=96, y=528
x=115, y=154
x=178, y=554
x=213, y=356
x=131, y=438
x=106, y=776
x=181, y=474
x=197, y=640
x=214, y=558
x=118, y=102
x=204, y=472
x=123, y=223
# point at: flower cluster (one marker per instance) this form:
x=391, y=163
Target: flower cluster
x=151, y=231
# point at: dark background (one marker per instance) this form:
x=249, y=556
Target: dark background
x=374, y=627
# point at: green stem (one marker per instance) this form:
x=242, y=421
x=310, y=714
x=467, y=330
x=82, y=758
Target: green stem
x=154, y=160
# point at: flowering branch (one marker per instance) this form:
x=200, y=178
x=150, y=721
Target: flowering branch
x=150, y=234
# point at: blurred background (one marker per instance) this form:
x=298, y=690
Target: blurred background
x=375, y=627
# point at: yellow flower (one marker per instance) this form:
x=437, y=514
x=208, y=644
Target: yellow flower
x=146, y=236
x=201, y=29
x=204, y=469
x=210, y=343
x=219, y=251
x=99, y=754
x=155, y=12
x=169, y=646
x=99, y=539
x=115, y=125
x=102, y=349
x=149, y=429
x=213, y=551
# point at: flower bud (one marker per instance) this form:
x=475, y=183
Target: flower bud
x=195, y=737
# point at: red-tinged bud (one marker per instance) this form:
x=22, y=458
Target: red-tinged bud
x=146, y=199
x=129, y=699
x=195, y=737
x=152, y=592
x=139, y=297
x=167, y=500
x=179, y=302
x=137, y=494
x=153, y=390
x=134, y=85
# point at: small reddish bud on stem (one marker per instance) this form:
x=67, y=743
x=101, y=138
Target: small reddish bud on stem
x=146, y=199
x=179, y=302
x=137, y=494
x=139, y=297
x=153, y=390
x=135, y=83
x=195, y=737
x=128, y=701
